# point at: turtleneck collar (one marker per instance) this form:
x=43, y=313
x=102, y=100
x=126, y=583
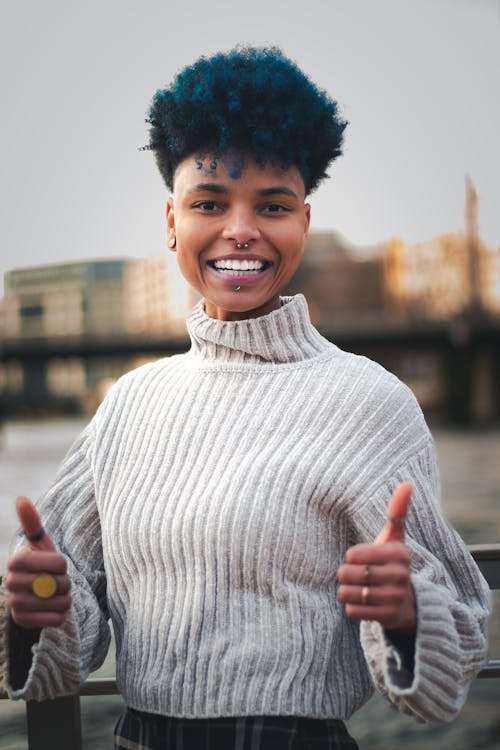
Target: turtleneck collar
x=285, y=335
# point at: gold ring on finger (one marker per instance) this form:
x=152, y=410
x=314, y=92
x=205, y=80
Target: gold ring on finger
x=44, y=586
x=365, y=592
x=366, y=573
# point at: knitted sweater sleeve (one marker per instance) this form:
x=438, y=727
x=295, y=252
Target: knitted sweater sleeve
x=61, y=658
x=453, y=603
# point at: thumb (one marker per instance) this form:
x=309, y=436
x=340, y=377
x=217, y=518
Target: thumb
x=32, y=526
x=397, y=508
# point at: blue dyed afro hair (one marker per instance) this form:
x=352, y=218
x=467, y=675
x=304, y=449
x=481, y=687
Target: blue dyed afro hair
x=247, y=101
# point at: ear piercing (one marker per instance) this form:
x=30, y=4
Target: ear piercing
x=171, y=241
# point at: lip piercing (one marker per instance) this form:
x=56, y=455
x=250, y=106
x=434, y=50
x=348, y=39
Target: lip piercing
x=237, y=288
x=241, y=245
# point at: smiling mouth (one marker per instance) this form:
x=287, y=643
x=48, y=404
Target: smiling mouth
x=239, y=267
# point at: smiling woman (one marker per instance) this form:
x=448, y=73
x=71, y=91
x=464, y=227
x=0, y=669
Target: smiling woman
x=238, y=241
x=240, y=172
x=259, y=517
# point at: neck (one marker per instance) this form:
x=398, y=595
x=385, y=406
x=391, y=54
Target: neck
x=219, y=313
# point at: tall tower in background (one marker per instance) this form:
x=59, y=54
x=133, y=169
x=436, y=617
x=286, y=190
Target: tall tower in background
x=473, y=243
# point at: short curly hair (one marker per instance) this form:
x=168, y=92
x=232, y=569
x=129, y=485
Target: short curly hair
x=251, y=100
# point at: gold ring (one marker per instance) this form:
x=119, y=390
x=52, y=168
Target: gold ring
x=44, y=586
x=366, y=573
x=365, y=592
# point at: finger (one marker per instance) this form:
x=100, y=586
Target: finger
x=378, y=554
x=31, y=620
x=387, y=615
x=397, y=508
x=27, y=602
x=28, y=561
x=16, y=582
x=391, y=608
x=374, y=575
x=376, y=596
x=32, y=525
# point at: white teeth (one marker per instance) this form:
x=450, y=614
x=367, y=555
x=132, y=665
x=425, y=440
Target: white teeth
x=239, y=265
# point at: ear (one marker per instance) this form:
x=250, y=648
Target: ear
x=171, y=223
x=307, y=222
x=307, y=218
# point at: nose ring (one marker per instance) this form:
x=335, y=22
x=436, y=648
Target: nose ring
x=241, y=245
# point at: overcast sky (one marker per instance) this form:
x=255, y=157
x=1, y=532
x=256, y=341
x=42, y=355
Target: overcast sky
x=418, y=81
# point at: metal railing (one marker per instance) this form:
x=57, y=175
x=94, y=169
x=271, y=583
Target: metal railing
x=56, y=724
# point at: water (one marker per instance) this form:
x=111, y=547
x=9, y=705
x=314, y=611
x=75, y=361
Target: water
x=470, y=466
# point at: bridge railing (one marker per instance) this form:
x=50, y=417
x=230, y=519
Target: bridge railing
x=56, y=724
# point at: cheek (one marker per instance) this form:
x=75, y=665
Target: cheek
x=293, y=247
x=188, y=265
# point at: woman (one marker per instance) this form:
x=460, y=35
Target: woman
x=226, y=508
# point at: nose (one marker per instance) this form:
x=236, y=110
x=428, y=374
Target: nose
x=241, y=227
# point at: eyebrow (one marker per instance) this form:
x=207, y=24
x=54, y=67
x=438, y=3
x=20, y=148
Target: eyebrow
x=213, y=187
x=279, y=189
x=209, y=187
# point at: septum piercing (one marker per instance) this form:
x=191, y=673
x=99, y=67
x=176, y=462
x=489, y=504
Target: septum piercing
x=240, y=246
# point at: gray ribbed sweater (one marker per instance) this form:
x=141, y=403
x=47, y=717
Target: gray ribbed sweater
x=206, y=509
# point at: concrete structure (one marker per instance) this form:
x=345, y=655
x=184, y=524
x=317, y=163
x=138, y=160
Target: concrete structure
x=98, y=298
x=88, y=301
x=343, y=285
x=447, y=276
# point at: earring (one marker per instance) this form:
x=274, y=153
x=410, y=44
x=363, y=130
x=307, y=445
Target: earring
x=171, y=241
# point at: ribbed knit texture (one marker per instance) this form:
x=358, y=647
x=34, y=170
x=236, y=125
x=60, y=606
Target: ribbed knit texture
x=207, y=508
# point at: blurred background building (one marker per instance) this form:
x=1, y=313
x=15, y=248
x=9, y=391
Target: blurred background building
x=430, y=312
x=77, y=309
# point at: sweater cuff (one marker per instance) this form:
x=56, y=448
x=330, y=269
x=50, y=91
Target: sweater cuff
x=17, y=641
x=21, y=643
x=434, y=690
x=52, y=668
x=4, y=625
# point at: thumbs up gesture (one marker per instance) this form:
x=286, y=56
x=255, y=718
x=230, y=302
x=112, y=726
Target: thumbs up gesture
x=36, y=581
x=375, y=582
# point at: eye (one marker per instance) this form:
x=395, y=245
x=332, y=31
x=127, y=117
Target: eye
x=207, y=206
x=275, y=208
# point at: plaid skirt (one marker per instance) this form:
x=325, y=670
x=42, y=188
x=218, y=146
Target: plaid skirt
x=137, y=730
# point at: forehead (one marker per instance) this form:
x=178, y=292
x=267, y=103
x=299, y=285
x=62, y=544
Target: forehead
x=236, y=173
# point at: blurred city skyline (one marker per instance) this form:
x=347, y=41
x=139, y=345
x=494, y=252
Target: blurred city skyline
x=417, y=81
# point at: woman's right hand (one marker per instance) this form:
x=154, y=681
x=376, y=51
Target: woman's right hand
x=27, y=609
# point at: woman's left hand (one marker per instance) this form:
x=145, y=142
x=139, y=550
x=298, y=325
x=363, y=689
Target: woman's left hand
x=375, y=582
